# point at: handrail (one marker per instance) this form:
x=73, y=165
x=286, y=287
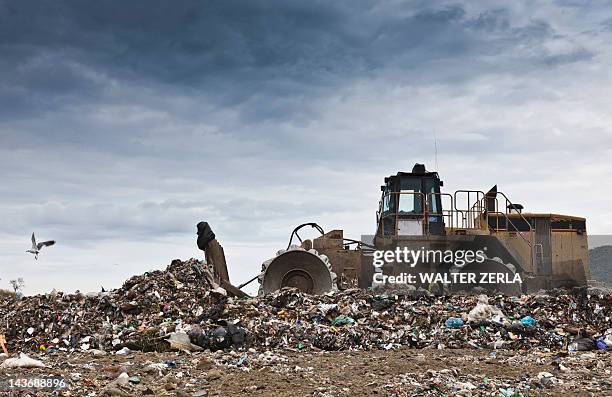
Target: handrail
x=508, y=202
x=469, y=222
x=473, y=217
x=445, y=214
x=531, y=241
x=509, y=221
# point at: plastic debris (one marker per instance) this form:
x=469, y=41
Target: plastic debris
x=528, y=321
x=484, y=312
x=122, y=379
x=509, y=392
x=97, y=352
x=23, y=361
x=454, y=322
x=134, y=380
x=582, y=344
x=123, y=351
x=343, y=320
x=602, y=345
x=148, y=312
x=327, y=307
x=181, y=341
x=547, y=379
x=242, y=360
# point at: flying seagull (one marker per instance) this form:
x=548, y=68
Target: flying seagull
x=37, y=247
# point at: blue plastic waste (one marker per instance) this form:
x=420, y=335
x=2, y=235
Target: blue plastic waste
x=242, y=360
x=601, y=345
x=528, y=321
x=454, y=322
x=343, y=320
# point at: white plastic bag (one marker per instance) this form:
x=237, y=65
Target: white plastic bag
x=181, y=341
x=485, y=312
x=22, y=362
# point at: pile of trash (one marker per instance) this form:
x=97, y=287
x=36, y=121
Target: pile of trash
x=359, y=319
x=181, y=308
x=144, y=308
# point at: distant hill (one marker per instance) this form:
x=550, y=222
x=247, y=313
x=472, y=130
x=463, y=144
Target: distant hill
x=601, y=264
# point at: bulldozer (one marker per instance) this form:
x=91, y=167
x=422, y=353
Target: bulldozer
x=510, y=251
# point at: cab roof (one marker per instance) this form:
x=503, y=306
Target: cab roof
x=418, y=170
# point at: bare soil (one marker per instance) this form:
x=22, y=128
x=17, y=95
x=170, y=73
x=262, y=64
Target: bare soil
x=404, y=372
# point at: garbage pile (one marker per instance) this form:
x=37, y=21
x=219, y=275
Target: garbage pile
x=181, y=308
x=359, y=319
x=144, y=308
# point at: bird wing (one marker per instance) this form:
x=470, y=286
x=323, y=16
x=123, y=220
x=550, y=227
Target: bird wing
x=45, y=244
x=33, y=241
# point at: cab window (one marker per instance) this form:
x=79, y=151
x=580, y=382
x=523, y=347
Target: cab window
x=431, y=187
x=410, y=198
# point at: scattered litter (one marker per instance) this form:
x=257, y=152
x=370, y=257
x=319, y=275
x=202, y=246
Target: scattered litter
x=581, y=345
x=23, y=361
x=122, y=379
x=454, y=322
x=528, y=321
x=483, y=311
x=343, y=320
x=181, y=341
x=602, y=345
x=97, y=352
x=123, y=351
x=180, y=308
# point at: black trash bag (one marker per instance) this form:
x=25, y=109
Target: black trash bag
x=518, y=328
x=198, y=337
x=380, y=303
x=582, y=344
x=219, y=339
x=238, y=334
x=205, y=235
x=214, y=339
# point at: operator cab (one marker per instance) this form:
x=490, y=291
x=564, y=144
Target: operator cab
x=411, y=204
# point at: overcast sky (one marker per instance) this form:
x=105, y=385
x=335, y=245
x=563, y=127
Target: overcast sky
x=123, y=124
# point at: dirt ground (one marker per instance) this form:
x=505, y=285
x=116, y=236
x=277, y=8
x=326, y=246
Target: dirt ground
x=404, y=372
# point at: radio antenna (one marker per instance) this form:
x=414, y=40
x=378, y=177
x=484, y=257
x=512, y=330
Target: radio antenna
x=436, y=150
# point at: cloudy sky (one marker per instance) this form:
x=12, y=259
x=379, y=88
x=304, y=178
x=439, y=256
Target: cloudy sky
x=123, y=124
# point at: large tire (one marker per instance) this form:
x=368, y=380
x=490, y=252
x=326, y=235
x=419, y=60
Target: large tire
x=489, y=266
x=307, y=271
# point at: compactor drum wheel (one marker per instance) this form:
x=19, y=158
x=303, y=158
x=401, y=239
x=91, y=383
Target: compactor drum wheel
x=307, y=271
x=495, y=266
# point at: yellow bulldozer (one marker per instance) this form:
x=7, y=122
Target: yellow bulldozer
x=524, y=251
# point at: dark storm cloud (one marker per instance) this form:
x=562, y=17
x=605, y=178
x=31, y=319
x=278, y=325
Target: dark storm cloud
x=269, y=58
x=126, y=122
x=199, y=45
x=607, y=24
